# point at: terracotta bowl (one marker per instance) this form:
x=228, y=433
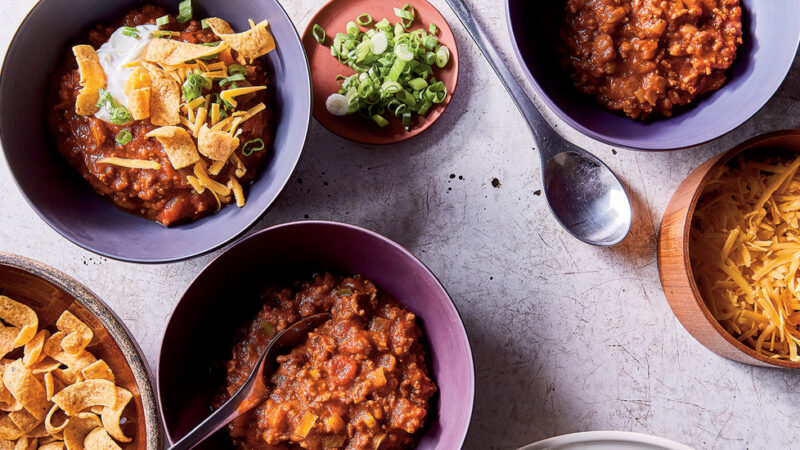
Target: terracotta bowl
x=50, y=292
x=673, y=255
x=332, y=18
x=201, y=332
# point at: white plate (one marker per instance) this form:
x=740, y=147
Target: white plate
x=606, y=440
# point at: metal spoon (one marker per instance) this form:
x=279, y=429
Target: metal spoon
x=253, y=391
x=584, y=195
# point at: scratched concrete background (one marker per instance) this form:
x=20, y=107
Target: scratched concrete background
x=566, y=337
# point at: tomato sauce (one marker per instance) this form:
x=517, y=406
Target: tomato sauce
x=360, y=381
x=163, y=195
x=647, y=57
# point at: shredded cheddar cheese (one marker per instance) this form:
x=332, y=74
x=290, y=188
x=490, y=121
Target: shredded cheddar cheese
x=745, y=254
x=229, y=94
x=196, y=102
x=131, y=163
x=238, y=193
x=216, y=167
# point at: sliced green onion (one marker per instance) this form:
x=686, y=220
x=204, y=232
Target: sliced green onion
x=119, y=114
x=319, y=33
x=255, y=145
x=130, y=31
x=193, y=86
x=380, y=120
x=231, y=79
x=237, y=68
x=378, y=43
x=393, y=66
x=418, y=84
x=124, y=137
x=184, y=11
x=162, y=34
x=211, y=44
x=406, y=14
x=364, y=20
x=442, y=56
x=163, y=20
x=203, y=24
x=403, y=52
x=337, y=105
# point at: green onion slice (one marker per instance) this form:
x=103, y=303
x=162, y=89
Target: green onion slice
x=124, y=137
x=442, y=56
x=319, y=33
x=337, y=104
x=163, y=20
x=237, y=69
x=255, y=145
x=406, y=15
x=130, y=31
x=119, y=114
x=193, y=86
x=203, y=24
x=433, y=29
x=184, y=11
x=364, y=20
x=231, y=79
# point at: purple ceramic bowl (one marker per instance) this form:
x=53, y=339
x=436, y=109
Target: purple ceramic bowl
x=771, y=36
x=64, y=200
x=224, y=296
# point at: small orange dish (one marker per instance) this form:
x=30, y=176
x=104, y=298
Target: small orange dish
x=333, y=18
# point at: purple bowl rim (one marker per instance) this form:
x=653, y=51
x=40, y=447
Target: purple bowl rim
x=597, y=136
x=234, y=236
x=346, y=226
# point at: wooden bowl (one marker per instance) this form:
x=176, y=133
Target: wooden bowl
x=333, y=17
x=50, y=292
x=674, y=266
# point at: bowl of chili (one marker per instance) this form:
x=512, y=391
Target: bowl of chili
x=770, y=33
x=69, y=204
x=195, y=366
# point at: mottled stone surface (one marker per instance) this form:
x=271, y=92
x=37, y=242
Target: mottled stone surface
x=566, y=337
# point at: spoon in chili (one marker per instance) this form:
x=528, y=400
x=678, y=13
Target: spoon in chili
x=254, y=391
x=584, y=195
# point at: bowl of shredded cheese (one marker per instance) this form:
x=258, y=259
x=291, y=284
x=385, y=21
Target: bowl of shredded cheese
x=729, y=252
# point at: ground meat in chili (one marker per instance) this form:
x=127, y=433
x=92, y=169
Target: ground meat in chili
x=163, y=195
x=360, y=381
x=647, y=57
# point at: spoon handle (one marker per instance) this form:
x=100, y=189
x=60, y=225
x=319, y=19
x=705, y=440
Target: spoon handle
x=546, y=138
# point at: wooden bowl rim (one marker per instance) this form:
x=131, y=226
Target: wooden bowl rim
x=722, y=159
x=115, y=328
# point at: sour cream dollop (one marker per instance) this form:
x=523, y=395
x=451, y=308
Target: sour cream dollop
x=114, y=54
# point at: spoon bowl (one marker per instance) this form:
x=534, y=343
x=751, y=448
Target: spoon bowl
x=587, y=199
x=584, y=195
x=254, y=390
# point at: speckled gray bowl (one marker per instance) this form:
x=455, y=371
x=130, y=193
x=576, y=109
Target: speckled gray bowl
x=65, y=200
x=49, y=292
